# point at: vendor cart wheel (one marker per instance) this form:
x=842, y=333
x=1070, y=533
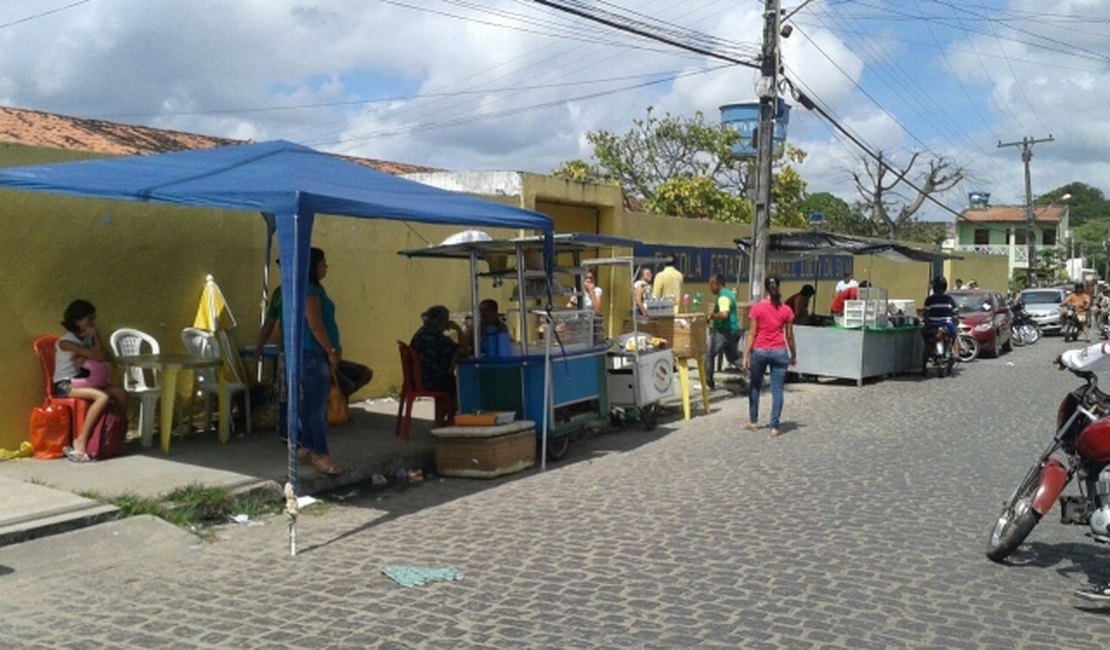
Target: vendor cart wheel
x=557, y=448
x=649, y=415
x=616, y=419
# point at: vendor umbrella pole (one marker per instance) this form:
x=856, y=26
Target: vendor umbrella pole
x=291, y=513
x=548, y=335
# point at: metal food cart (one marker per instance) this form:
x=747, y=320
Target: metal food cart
x=637, y=380
x=566, y=373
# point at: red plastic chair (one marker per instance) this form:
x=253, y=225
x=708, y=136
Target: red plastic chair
x=45, y=350
x=412, y=387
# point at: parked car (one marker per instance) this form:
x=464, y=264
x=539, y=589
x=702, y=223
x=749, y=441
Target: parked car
x=1044, y=306
x=985, y=316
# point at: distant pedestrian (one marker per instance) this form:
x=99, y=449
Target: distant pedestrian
x=724, y=323
x=846, y=283
x=769, y=344
x=668, y=284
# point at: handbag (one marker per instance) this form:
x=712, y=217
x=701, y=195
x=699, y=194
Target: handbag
x=106, y=440
x=338, y=411
x=95, y=374
x=49, y=430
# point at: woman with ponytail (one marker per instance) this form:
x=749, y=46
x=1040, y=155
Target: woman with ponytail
x=769, y=344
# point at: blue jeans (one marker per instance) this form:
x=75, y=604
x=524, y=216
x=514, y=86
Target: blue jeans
x=315, y=380
x=778, y=361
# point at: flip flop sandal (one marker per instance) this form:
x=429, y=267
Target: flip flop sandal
x=75, y=456
x=751, y=426
x=326, y=470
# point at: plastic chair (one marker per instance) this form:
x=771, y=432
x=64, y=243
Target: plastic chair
x=46, y=350
x=412, y=387
x=202, y=343
x=129, y=342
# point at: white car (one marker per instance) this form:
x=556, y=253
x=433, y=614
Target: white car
x=1044, y=306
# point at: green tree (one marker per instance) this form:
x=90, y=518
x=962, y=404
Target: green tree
x=1085, y=204
x=683, y=166
x=838, y=216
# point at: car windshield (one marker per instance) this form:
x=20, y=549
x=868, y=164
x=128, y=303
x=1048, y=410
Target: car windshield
x=1041, y=297
x=970, y=302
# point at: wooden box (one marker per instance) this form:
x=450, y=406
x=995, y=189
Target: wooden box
x=685, y=332
x=485, y=452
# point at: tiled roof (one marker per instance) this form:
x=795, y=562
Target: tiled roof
x=38, y=129
x=1011, y=214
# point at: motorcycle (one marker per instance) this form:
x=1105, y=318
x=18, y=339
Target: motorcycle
x=938, y=350
x=1024, y=330
x=1070, y=327
x=967, y=346
x=1080, y=450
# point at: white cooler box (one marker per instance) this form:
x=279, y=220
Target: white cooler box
x=656, y=378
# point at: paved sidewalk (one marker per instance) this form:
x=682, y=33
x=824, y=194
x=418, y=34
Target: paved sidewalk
x=43, y=497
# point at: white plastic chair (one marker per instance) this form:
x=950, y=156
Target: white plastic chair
x=202, y=343
x=128, y=342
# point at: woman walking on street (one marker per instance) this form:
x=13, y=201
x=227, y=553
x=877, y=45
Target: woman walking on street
x=769, y=344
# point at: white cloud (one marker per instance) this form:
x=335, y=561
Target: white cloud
x=222, y=68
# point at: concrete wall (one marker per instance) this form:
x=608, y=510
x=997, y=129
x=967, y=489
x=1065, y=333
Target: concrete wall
x=990, y=271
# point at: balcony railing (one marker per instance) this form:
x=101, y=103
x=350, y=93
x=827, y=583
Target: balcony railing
x=1018, y=253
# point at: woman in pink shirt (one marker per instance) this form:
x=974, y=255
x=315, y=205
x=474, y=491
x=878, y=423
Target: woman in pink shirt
x=769, y=343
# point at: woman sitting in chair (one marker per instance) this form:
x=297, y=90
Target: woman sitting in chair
x=437, y=351
x=81, y=372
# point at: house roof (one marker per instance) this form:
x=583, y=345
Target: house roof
x=50, y=130
x=1011, y=214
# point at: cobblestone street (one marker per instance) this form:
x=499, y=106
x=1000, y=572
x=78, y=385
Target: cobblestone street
x=863, y=526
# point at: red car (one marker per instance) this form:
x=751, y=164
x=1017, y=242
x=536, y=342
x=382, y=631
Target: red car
x=985, y=315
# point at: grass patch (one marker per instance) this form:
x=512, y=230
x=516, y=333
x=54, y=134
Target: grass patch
x=192, y=506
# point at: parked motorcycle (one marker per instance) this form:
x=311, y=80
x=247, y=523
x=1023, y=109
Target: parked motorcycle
x=1070, y=327
x=1024, y=330
x=1080, y=450
x=938, y=352
x=967, y=347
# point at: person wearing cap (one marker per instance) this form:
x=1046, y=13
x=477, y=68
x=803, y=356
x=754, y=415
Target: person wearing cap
x=436, y=350
x=972, y=284
x=769, y=344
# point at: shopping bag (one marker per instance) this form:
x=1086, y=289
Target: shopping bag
x=108, y=435
x=338, y=411
x=49, y=431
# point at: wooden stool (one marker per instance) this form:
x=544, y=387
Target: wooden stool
x=684, y=383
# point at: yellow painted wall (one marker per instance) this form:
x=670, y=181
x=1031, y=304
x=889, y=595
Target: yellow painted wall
x=990, y=271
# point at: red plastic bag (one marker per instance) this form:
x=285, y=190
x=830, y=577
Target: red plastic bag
x=49, y=430
x=106, y=440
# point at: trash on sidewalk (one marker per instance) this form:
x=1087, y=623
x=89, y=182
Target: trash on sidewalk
x=347, y=495
x=378, y=479
x=245, y=520
x=305, y=501
x=414, y=576
x=24, y=451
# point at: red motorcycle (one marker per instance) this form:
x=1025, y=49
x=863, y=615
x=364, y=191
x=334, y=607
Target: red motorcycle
x=1080, y=450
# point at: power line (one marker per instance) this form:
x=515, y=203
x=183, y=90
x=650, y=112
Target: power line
x=45, y=13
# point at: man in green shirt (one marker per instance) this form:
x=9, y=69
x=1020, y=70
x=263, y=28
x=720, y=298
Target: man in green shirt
x=724, y=326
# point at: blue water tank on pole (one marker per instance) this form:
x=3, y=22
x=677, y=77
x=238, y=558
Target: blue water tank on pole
x=978, y=200
x=744, y=119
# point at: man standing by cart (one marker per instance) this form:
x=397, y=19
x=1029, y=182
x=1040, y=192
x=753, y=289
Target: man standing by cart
x=724, y=328
x=668, y=284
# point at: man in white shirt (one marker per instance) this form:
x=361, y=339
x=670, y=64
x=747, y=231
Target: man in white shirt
x=846, y=283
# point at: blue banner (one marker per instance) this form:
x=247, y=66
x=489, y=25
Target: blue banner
x=697, y=264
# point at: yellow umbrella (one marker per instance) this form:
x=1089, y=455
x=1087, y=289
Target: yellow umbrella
x=214, y=315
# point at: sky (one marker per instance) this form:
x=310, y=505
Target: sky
x=516, y=85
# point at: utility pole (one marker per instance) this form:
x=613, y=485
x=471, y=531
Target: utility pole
x=768, y=111
x=1030, y=225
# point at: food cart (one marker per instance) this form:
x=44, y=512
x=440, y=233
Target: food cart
x=560, y=383
x=637, y=379
x=876, y=337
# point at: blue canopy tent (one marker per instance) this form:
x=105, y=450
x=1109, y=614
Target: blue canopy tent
x=289, y=184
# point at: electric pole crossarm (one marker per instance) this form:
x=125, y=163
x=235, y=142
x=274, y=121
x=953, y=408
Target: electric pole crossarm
x=1026, y=145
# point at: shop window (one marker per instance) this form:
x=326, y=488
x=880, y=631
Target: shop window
x=982, y=236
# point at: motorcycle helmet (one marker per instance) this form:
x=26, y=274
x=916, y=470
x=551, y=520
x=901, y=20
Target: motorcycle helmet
x=940, y=285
